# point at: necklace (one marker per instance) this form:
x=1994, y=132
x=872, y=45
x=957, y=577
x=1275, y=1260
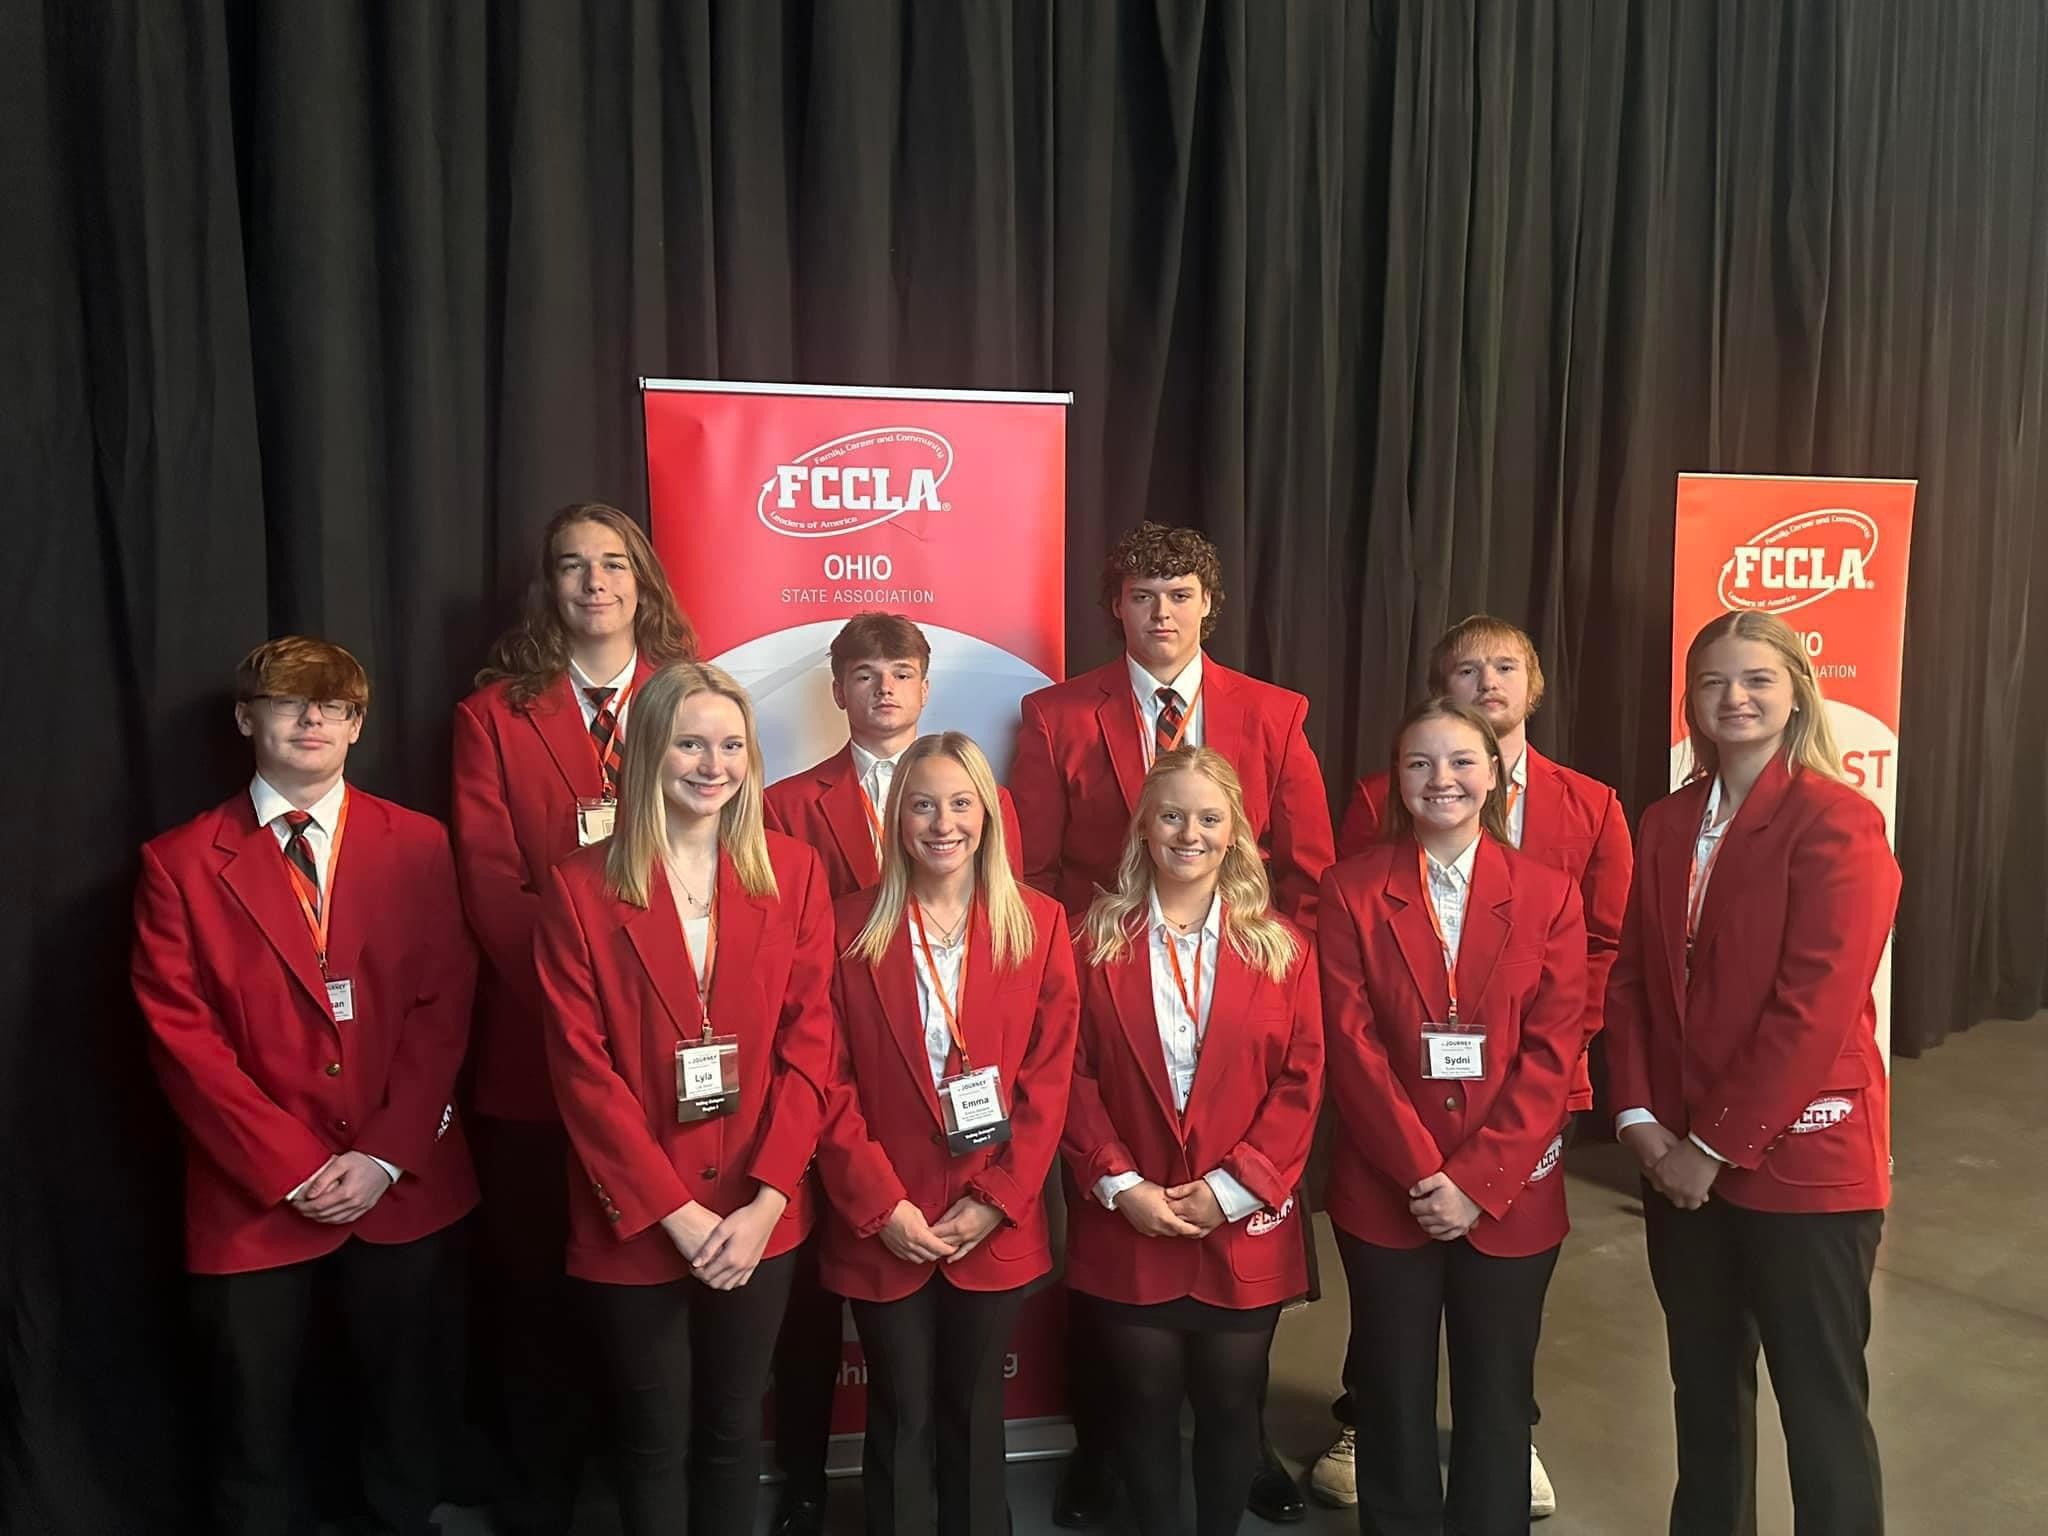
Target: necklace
x=676, y=874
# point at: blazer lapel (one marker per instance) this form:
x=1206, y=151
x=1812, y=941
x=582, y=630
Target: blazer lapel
x=736, y=985
x=1234, y=984
x=558, y=718
x=1485, y=934
x=1222, y=711
x=1666, y=865
x=1130, y=990
x=254, y=871
x=848, y=817
x=351, y=882
x=1539, y=803
x=981, y=1014
x=1416, y=935
x=1739, y=852
x=1118, y=716
x=656, y=933
x=896, y=986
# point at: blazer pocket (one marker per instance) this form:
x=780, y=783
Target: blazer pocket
x=1831, y=1144
x=1265, y=1242
x=1027, y=1240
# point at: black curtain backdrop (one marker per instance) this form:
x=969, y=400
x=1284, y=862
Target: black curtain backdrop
x=317, y=311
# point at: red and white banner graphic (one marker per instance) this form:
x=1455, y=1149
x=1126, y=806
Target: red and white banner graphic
x=1829, y=557
x=782, y=510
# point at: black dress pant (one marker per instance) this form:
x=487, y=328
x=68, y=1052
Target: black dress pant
x=1491, y=1314
x=807, y=1359
x=1186, y=1352
x=933, y=1460
x=253, y=1333
x=532, y=1342
x=1798, y=1285
x=687, y=1367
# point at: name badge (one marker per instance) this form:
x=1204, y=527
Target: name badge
x=341, y=1000
x=976, y=1113
x=595, y=819
x=707, y=1078
x=1453, y=1055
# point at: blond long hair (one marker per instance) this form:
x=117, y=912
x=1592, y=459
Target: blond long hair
x=1116, y=918
x=1809, y=743
x=1012, y=934
x=1396, y=822
x=640, y=837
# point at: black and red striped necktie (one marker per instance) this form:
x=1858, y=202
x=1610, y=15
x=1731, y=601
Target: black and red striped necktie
x=604, y=731
x=300, y=853
x=1166, y=734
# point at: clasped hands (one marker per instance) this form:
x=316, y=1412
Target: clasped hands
x=342, y=1190
x=1676, y=1168
x=724, y=1251
x=949, y=1239
x=1178, y=1210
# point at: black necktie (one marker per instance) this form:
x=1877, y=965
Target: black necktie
x=300, y=852
x=1166, y=735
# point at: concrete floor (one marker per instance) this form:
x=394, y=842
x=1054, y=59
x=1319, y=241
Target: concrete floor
x=1959, y=1352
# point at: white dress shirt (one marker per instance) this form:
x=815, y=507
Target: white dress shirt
x=1188, y=685
x=1713, y=827
x=1518, y=813
x=619, y=685
x=951, y=960
x=1180, y=1039
x=270, y=809
x=1449, y=889
x=876, y=774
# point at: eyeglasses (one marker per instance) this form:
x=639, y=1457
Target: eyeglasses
x=285, y=707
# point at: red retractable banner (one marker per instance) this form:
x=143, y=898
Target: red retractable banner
x=782, y=510
x=1829, y=557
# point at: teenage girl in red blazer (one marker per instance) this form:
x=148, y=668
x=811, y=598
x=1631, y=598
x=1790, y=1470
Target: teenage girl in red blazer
x=1743, y=1060
x=685, y=966
x=955, y=994
x=1194, y=1101
x=1453, y=973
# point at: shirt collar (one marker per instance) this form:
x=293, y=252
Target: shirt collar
x=618, y=685
x=1212, y=925
x=1147, y=687
x=1461, y=866
x=1519, y=774
x=864, y=761
x=270, y=804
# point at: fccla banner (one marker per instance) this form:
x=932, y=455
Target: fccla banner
x=782, y=510
x=1829, y=557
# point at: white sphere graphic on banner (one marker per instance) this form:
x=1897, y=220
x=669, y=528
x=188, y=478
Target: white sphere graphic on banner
x=975, y=688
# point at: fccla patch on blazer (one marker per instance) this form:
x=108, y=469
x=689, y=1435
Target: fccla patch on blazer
x=1547, y=1163
x=1259, y=1223
x=1821, y=1114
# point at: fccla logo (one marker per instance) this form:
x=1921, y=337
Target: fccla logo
x=857, y=481
x=1800, y=560
x=1821, y=1114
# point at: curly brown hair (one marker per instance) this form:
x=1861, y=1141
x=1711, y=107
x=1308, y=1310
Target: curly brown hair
x=1152, y=552
x=534, y=652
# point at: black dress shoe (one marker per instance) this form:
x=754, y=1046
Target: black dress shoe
x=1274, y=1496
x=799, y=1517
x=1084, y=1495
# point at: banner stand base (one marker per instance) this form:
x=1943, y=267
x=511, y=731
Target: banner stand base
x=1043, y=1439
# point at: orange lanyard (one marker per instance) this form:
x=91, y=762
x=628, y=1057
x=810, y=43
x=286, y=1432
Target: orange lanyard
x=939, y=987
x=1514, y=795
x=319, y=914
x=1145, y=736
x=1191, y=1002
x=1436, y=922
x=1698, y=872
x=710, y=955
x=874, y=822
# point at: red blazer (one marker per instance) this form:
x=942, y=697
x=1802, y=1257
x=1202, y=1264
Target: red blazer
x=1770, y=1055
x=265, y=1083
x=518, y=775
x=621, y=994
x=1521, y=977
x=821, y=806
x=1080, y=762
x=1572, y=823
x=884, y=1139
x=1252, y=1113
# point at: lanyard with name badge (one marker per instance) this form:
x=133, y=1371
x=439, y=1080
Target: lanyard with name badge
x=1190, y=999
x=707, y=1069
x=319, y=915
x=867, y=804
x=1146, y=737
x=971, y=1100
x=1450, y=1051
x=597, y=815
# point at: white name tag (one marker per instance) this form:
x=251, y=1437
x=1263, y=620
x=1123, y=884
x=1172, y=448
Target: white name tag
x=1450, y=1055
x=341, y=1000
x=976, y=1114
x=595, y=820
x=707, y=1078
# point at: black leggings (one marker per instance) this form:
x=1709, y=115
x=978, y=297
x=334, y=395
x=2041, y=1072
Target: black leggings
x=1223, y=1373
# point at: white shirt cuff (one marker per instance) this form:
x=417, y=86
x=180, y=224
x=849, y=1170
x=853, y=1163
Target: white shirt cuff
x=1629, y=1117
x=1110, y=1185
x=1717, y=1157
x=1237, y=1201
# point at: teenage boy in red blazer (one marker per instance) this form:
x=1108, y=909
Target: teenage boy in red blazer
x=302, y=966
x=881, y=677
x=537, y=753
x=1557, y=816
x=1083, y=749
